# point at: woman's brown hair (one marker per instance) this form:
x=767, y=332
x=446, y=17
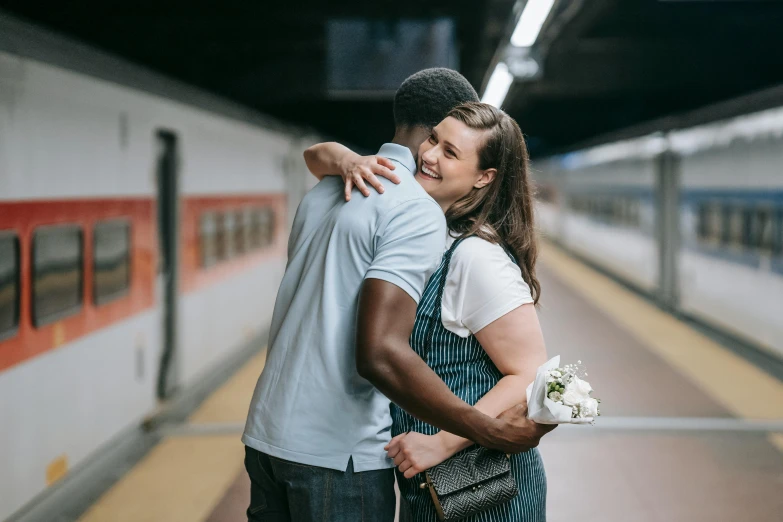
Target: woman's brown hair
x=502, y=211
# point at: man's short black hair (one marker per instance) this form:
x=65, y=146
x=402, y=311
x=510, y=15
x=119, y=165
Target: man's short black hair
x=425, y=98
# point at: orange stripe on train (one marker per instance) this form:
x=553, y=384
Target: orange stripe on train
x=23, y=217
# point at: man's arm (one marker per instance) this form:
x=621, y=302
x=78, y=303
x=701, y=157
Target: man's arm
x=384, y=357
x=332, y=159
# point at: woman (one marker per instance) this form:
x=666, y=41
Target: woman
x=476, y=324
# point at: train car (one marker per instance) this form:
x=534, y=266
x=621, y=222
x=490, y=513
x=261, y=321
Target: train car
x=731, y=222
x=606, y=207
x=142, y=237
x=691, y=215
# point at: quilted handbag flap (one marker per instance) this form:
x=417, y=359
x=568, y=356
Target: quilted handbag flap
x=468, y=469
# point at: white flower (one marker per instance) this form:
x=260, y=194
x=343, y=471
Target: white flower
x=583, y=386
x=553, y=376
x=576, y=391
x=588, y=408
x=556, y=396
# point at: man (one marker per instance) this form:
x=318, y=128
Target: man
x=319, y=418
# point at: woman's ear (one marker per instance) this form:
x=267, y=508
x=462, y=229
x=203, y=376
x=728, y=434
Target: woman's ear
x=485, y=178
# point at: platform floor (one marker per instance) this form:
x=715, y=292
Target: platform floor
x=690, y=431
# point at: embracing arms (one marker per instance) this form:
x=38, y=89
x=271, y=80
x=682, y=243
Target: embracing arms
x=515, y=344
x=333, y=159
x=385, y=358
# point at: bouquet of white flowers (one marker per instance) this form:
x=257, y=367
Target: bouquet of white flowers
x=560, y=395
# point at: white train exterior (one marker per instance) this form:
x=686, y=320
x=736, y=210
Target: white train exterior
x=101, y=164
x=693, y=216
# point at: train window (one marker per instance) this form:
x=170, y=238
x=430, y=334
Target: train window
x=625, y=216
x=735, y=227
x=714, y=222
x=9, y=284
x=635, y=219
x=228, y=224
x=762, y=230
x=240, y=243
x=777, y=233
x=268, y=227
x=702, y=222
x=111, y=260
x=748, y=238
x=207, y=241
x=725, y=224
x=255, y=228
x=262, y=226
x=608, y=210
x=221, y=241
x=247, y=216
x=57, y=272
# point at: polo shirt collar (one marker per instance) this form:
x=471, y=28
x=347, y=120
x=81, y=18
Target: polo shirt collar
x=400, y=154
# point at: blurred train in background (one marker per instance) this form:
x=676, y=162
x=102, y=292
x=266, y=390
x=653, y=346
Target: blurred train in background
x=142, y=240
x=692, y=215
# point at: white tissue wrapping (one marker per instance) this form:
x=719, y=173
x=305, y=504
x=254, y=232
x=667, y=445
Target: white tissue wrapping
x=541, y=408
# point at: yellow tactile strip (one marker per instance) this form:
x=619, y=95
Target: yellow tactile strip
x=230, y=402
x=181, y=479
x=730, y=380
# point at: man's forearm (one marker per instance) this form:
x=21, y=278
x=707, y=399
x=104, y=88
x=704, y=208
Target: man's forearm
x=407, y=381
x=510, y=390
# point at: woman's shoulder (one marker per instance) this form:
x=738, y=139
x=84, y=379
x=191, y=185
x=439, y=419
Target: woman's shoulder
x=474, y=250
x=483, y=284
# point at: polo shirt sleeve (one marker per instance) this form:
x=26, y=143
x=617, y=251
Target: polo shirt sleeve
x=409, y=245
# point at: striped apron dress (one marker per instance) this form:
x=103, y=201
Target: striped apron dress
x=469, y=372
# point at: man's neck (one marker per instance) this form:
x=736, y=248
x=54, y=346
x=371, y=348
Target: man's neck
x=411, y=137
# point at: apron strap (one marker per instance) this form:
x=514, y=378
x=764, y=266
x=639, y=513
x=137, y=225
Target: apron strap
x=436, y=317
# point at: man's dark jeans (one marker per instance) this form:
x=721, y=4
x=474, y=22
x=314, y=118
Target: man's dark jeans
x=283, y=491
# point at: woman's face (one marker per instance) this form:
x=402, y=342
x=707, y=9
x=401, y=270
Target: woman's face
x=449, y=162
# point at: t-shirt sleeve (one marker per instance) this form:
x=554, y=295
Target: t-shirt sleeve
x=483, y=285
x=409, y=244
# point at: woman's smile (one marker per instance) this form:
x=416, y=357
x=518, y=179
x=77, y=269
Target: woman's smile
x=428, y=173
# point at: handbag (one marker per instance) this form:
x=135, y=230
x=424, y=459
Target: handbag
x=470, y=482
x=475, y=479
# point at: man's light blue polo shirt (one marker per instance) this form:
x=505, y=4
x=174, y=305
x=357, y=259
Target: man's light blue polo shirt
x=310, y=405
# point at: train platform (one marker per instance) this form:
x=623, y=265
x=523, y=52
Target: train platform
x=690, y=430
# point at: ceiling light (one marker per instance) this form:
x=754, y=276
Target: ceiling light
x=498, y=85
x=533, y=17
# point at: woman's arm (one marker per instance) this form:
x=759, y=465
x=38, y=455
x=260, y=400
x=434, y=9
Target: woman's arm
x=515, y=344
x=333, y=159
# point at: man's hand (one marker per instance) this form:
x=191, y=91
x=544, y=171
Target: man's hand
x=513, y=432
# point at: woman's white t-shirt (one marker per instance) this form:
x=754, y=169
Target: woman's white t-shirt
x=483, y=285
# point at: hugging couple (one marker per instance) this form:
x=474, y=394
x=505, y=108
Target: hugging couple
x=404, y=330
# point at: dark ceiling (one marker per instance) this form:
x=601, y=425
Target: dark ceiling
x=607, y=64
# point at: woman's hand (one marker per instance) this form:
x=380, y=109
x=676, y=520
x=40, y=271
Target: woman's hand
x=355, y=170
x=413, y=452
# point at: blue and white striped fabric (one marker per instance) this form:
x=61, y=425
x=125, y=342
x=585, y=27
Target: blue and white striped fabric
x=469, y=372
